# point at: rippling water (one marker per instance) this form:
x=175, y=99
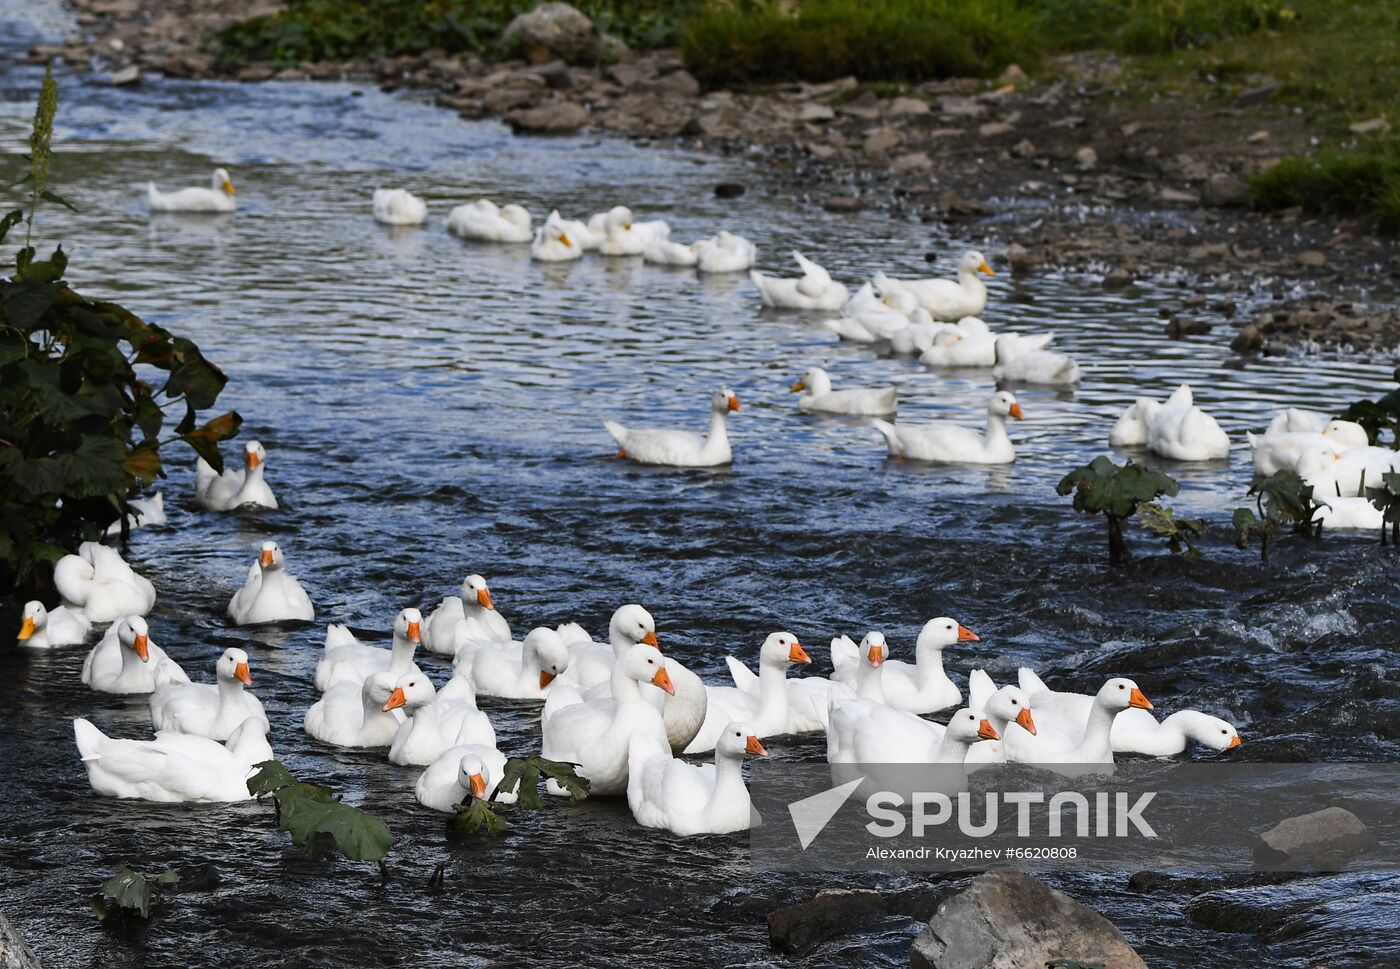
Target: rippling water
x=432, y=408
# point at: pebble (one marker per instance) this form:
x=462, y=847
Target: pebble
x=994, y=128
x=127, y=76
x=844, y=203
x=1086, y=158
x=1312, y=258
x=729, y=190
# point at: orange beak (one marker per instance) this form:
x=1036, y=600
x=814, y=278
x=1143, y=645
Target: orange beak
x=545, y=679
x=396, y=700
x=1024, y=719
x=565, y=239
x=755, y=748
x=876, y=657
x=649, y=639
x=986, y=731
x=1234, y=742
x=265, y=559
x=966, y=635
x=250, y=459
x=478, y=784
x=733, y=402
x=240, y=672
x=662, y=680
x=483, y=599
x=26, y=629
x=1137, y=699
x=139, y=647
x=982, y=267
x=1016, y=412
x=798, y=387
x=415, y=633
x=798, y=655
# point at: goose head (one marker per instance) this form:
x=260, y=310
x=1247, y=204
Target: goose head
x=973, y=262
x=1120, y=693
x=815, y=381
x=940, y=633
x=270, y=557
x=631, y=625
x=724, y=401
x=1010, y=704
x=551, y=652
x=35, y=615
x=1004, y=405
x=968, y=726
x=645, y=664
x=474, y=590
x=376, y=690
x=516, y=215
x=221, y=182
x=782, y=650
x=553, y=231
x=133, y=633
x=411, y=691
x=409, y=625
x=873, y=649
x=1347, y=434
x=248, y=741
x=1212, y=732
x=232, y=667
x=737, y=739
x=473, y=775
x=254, y=456
x=901, y=301
x=1314, y=461
x=974, y=325
x=725, y=239
x=618, y=220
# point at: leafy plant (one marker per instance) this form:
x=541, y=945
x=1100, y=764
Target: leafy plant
x=128, y=894
x=1378, y=416
x=1116, y=491
x=1179, y=533
x=475, y=817
x=1249, y=526
x=317, y=819
x=1283, y=498
x=521, y=774
x=72, y=401
x=1386, y=498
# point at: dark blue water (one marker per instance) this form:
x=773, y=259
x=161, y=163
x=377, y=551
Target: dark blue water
x=432, y=408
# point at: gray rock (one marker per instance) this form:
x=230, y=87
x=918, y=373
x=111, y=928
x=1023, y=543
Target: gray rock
x=1312, y=258
x=14, y=952
x=127, y=76
x=864, y=105
x=1250, y=339
x=556, y=75
x=505, y=99
x=613, y=49
x=903, y=107
x=993, y=129
x=952, y=204
x=1008, y=920
x=1176, y=195
x=723, y=123
x=1118, y=279
x=1223, y=190
x=957, y=106
x=1256, y=95
x=914, y=161
x=815, y=112
x=1086, y=158
x=1180, y=327
x=881, y=140
x=1368, y=127
x=1322, y=839
x=1025, y=148
x=834, y=911
x=1022, y=260
x=553, y=31
x=729, y=190
x=550, y=118
x=844, y=203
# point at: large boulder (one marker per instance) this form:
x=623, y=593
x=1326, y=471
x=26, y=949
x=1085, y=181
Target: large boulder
x=1008, y=920
x=14, y=953
x=1325, y=839
x=557, y=31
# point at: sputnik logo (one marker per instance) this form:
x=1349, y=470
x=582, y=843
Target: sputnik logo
x=811, y=815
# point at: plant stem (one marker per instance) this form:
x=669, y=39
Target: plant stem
x=1117, y=548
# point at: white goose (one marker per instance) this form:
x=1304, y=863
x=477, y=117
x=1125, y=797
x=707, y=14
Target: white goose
x=1349, y=514
x=1135, y=731
x=468, y=770
x=353, y=714
x=1346, y=474
x=236, y=487
x=692, y=799
x=813, y=290
x=1297, y=419
x=125, y=661
x=621, y=236
x=41, y=629
x=597, y=734
x=270, y=593
x=1062, y=741
x=948, y=443
x=768, y=709
x=144, y=513
x=434, y=722
x=661, y=251
x=866, y=318
x=554, y=242
x=1275, y=451
x=725, y=253
x=680, y=449
x=217, y=198
x=1020, y=361
x=212, y=710
x=1007, y=709
x=590, y=663
x=470, y=617
x=347, y=660
x=174, y=766
x=397, y=206
x=921, y=686
x=943, y=298
x=100, y=583
x=860, y=731
x=819, y=398
x=523, y=675
x=1182, y=431
x=968, y=343
x=1130, y=430
x=486, y=221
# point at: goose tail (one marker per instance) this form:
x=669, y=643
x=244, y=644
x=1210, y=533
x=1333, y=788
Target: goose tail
x=890, y=434
x=1029, y=683
x=89, y=738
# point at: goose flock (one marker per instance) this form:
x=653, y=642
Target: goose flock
x=620, y=709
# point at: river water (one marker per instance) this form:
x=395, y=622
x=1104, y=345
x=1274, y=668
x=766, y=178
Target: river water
x=432, y=408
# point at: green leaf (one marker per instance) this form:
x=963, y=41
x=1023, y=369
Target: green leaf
x=37, y=477
x=143, y=464
x=522, y=775
x=127, y=893
x=1179, y=533
x=49, y=196
x=270, y=778
x=97, y=467
x=13, y=346
x=316, y=819
x=205, y=440
x=27, y=302
x=194, y=377
x=1102, y=486
x=8, y=221
x=473, y=818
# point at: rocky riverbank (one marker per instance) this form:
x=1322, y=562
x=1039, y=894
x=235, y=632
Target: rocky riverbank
x=1066, y=173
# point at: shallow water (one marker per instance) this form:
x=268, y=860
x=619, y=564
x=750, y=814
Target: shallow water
x=433, y=408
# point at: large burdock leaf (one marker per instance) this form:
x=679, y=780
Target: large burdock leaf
x=37, y=476
x=193, y=376
x=27, y=302
x=1102, y=486
x=97, y=467
x=143, y=464
x=205, y=439
x=525, y=772
x=127, y=893
x=473, y=818
x=316, y=818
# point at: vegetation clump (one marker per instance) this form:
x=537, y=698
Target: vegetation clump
x=1117, y=491
x=1283, y=498
x=523, y=775
x=317, y=819
x=130, y=895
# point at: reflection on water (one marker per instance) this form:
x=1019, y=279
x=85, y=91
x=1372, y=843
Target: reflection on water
x=433, y=407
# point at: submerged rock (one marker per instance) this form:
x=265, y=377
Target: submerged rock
x=1323, y=839
x=1008, y=920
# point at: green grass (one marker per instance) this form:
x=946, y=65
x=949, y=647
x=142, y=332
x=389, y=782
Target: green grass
x=1365, y=183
